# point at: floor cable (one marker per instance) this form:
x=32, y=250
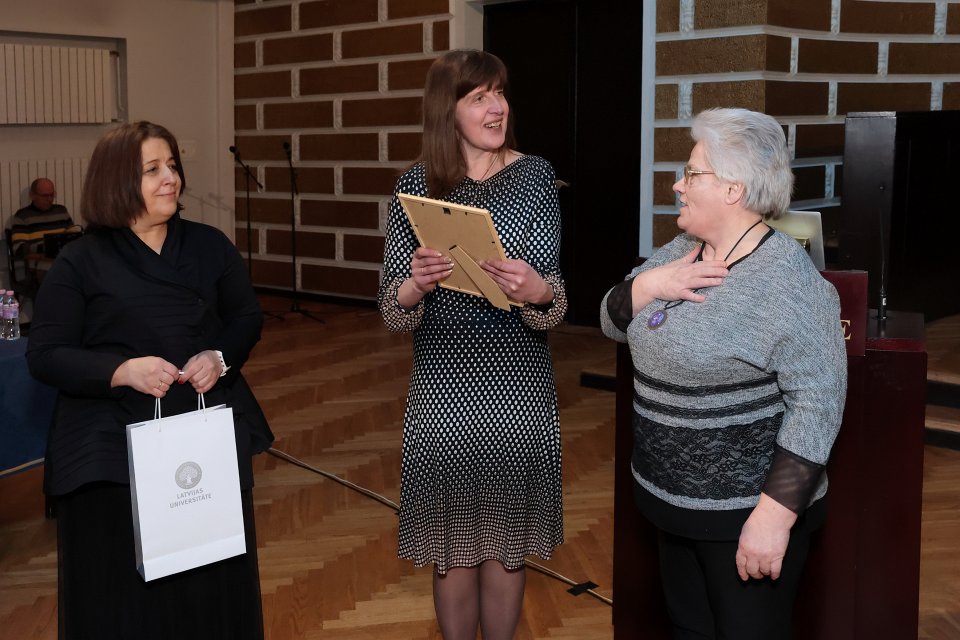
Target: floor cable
x=576, y=587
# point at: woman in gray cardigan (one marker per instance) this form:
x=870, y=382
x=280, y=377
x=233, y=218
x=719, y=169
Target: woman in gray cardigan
x=739, y=384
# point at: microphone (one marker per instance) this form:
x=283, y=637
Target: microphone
x=235, y=152
x=882, y=307
x=286, y=149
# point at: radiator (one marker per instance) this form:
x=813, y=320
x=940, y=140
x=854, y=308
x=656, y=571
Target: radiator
x=57, y=85
x=16, y=175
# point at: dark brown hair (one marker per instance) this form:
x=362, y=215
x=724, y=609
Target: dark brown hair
x=111, y=191
x=452, y=76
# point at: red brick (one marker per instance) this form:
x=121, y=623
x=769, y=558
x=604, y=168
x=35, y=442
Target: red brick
x=274, y=84
x=833, y=56
x=749, y=94
x=382, y=41
x=810, y=14
x=256, y=21
x=666, y=101
x=240, y=182
x=262, y=147
x=339, y=79
x=668, y=16
x=715, y=14
x=309, y=179
x=808, y=183
x=415, y=8
x=951, y=95
x=272, y=273
x=853, y=97
x=953, y=19
x=723, y=55
x=916, y=57
x=240, y=233
x=245, y=116
x=340, y=213
x=310, y=244
x=409, y=74
x=857, y=16
x=672, y=144
x=819, y=140
x=363, y=248
x=382, y=112
x=340, y=146
x=370, y=180
x=403, y=146
x=663, y=188
x=665, y=229
x=441, y=35
x=342, y=280
x=300, y=49
x=290, y=115
x=796, y=98
x=328, y=13
x=269, y=210
x=244, y=54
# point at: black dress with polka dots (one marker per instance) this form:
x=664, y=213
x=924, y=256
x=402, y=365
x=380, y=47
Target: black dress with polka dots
x=480, y=476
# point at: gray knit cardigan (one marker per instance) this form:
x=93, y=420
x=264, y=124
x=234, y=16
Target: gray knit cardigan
x=739, y=394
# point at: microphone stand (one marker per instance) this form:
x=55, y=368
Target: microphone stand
x=248, y=176
x=294, y=192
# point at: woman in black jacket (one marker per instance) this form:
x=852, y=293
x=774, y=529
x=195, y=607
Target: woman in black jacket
x=146, y=305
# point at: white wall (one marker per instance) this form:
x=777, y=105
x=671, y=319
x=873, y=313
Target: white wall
x=179, y=74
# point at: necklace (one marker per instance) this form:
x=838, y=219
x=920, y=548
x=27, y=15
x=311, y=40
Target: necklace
x=496, y=157
x=659, y=317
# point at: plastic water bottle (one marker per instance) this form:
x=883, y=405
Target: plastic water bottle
x=5, y=311
x=13, y=326
x=6, y=298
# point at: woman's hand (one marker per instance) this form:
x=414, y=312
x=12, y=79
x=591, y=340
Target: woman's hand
x=150, y=375
x=677, y=280
x=764, y=539
x=202, y=371
x=519, y=280
x=427, y=267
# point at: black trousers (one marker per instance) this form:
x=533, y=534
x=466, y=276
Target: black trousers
x=706, y=598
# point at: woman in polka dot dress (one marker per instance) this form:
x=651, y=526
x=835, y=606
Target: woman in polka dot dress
x=480, y=480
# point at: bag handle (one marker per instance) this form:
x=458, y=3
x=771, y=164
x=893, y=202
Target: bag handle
x=201, y=406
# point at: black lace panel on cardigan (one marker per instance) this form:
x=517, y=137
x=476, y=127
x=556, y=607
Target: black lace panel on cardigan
x=716, y=464
x=620, y=304
x=792, y=480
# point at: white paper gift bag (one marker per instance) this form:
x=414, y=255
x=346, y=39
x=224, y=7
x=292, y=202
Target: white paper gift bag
x=185, y=490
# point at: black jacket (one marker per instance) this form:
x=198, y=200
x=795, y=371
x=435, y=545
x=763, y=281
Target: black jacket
x=109, y=298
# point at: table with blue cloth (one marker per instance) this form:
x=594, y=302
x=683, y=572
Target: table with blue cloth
x=26, y=408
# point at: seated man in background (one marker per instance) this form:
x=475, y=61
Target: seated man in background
x=29, y=224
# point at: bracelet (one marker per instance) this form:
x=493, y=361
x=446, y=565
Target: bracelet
x=223, y=364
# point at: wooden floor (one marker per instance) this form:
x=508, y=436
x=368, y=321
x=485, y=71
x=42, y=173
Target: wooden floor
x=334, y=393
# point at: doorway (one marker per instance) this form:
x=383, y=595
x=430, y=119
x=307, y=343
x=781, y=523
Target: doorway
x=575, y=91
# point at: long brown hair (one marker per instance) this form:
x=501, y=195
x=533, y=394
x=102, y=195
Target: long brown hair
x=452, y=76
x=111, y=194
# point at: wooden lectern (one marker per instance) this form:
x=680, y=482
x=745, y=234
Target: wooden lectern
x=862, y=578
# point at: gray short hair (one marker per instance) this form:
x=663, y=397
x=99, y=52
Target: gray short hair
x=749, y=148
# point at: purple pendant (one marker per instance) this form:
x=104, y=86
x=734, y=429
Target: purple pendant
x=657, y=318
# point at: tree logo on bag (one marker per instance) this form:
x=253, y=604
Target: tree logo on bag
x=188, y=475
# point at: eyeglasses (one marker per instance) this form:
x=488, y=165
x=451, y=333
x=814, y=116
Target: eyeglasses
x=689, y=172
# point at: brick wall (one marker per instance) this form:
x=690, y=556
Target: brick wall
x=341, y=81
x=806, y=63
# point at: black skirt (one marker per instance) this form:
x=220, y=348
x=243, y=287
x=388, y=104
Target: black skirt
x=102, y=596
